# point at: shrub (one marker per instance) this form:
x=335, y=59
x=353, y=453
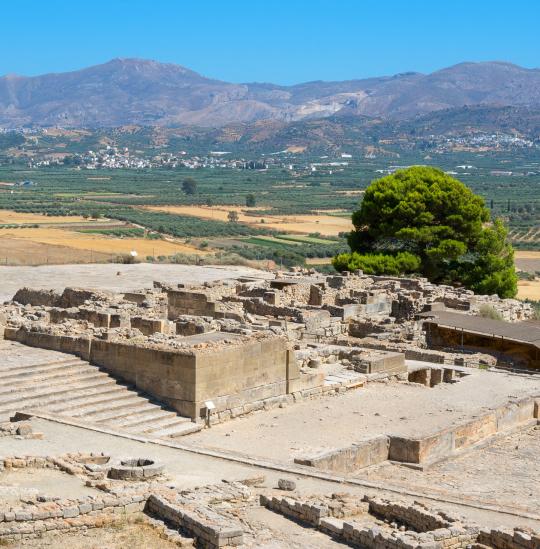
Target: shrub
x=536, y=308
x=378, y=264
x=488, y=311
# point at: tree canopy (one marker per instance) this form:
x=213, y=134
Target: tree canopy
x=421, y=220
x=189, y=185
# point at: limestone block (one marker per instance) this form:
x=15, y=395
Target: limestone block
x=285, y=484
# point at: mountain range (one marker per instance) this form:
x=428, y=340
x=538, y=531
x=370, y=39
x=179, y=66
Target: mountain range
x=148, y=93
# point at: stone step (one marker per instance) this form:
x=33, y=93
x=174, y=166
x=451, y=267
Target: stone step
x=97, y=387
x=72, y=388
x=179, y=430
x=119, y=411
x=38, y=369
x=36, y=404
x=157, y=423
x=33, y=377
x=144, y=418
x=56, y=384
x=122, y=398
x=90, y=398
x=72, y=360
x=45, y=395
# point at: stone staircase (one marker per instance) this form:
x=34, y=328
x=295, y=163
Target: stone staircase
x=74, y=389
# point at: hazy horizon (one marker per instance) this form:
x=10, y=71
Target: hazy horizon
x=280, y=42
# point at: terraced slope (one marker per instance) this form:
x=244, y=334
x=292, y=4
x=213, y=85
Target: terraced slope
x=65, y=386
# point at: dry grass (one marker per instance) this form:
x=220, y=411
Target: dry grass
x=25, y=252
x=132, y=533
x=59, y=132
x=8, y=217
x=529, y=289
x=351, y=193
x=525, y=254
x=318, y=260
x=14, y=245
x=301, y=224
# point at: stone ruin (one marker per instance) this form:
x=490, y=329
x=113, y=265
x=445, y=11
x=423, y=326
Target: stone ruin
x=248, y=343
x=218, y=515
x=215, y=351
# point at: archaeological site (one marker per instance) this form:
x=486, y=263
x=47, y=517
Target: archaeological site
x=267, y=410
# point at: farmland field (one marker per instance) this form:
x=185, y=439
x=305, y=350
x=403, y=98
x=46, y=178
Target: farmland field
x=529, y=289
x=302, y=224
x=304, y=211
x=33, y=239
x=23, y=218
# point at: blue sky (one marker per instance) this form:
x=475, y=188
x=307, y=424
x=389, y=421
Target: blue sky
x=281, y=41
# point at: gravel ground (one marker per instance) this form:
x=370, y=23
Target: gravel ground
x=17, y=483
x=335, y=421
x=124, y=534
x=187, y=470
x=273, y=531
x=106, y=277
x=508, y=470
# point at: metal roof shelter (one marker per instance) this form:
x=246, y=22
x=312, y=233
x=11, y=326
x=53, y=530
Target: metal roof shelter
x=522, y=332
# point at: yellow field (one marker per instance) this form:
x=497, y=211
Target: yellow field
x=318, y=260
x=523, y=254
x=529, y=289
x=351, y=193
x=8, y=217
x=18, y=240
x=301, y=224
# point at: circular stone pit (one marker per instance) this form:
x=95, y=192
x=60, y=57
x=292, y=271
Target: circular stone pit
x=135, y=469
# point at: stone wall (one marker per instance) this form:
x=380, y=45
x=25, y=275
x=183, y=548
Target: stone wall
x=211, y=532
x=76, y=345
x=430, y=448
x=149, y=326
x=351, y=458
x=521, y=353
x=31, y=296
x=100, y=319
x=445, y=443
x=237, y=374
x=31, y=519
x=231, y=375
x=190, y=512
x=200, y=301
x=518, y=538
x=422, y=528
x=167, y=375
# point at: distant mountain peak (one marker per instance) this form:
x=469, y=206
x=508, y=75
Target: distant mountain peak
x=124, y=91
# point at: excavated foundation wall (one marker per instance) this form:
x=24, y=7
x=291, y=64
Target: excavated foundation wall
x=231, y=376
x=79, y=346
x=447, y=442
x=522, y=353
x=430, y=448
